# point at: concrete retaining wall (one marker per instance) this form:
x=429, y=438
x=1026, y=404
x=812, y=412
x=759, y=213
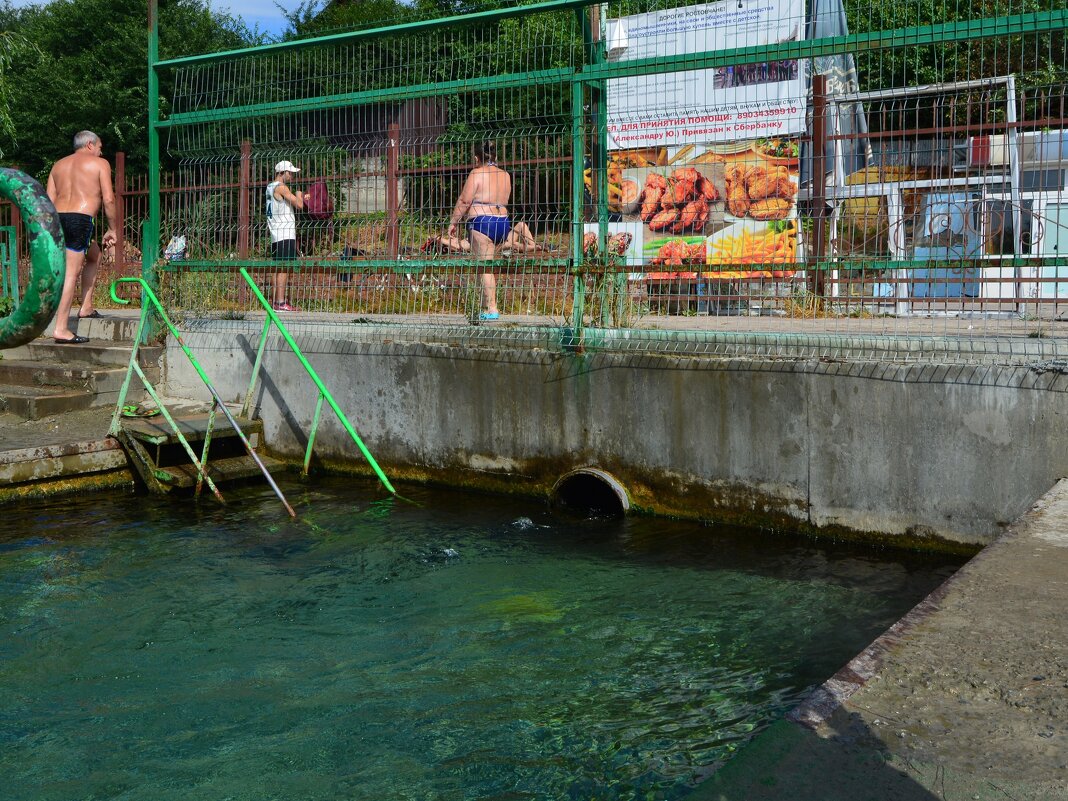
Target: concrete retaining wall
x=913, y=452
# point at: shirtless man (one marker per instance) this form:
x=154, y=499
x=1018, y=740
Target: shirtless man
x=78, y=185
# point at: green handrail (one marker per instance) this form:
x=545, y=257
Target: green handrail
x=324, y=393
x=202, y=474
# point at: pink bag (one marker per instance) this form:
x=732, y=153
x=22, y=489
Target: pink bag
x=317, y=202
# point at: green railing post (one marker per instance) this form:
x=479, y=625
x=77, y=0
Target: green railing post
x=200, y=464
x=312, y=432
x=314, y=376
x=207, y=447
x=578, y=164
x=151, y=229
x=130, y=370
x=260, y=348
x=149, y=297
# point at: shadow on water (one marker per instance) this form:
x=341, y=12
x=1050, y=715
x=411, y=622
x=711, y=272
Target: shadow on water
x=790, y=761
x=846, y=762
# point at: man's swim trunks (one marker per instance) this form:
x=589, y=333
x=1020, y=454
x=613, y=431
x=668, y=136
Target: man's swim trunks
x=77, y=230
x=495, y=228
x=284, y=250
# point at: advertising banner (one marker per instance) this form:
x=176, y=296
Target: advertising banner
x=703, y=169
x=709, y=105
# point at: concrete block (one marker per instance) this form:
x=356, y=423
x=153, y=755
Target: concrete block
x=876, y=450
x=60, y=461
x=33, y=403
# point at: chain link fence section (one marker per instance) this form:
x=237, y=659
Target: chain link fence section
x=814, y=176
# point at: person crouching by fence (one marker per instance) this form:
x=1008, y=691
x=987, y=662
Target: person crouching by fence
x=282, y=223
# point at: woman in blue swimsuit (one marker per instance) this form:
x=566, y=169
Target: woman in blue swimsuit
x=484, y=204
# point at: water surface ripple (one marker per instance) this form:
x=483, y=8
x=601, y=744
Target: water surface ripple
x=468, y=648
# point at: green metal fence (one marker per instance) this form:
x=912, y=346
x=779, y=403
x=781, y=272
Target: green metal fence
x=680, y=174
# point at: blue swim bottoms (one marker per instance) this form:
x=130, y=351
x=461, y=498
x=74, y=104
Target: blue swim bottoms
x=77, y=230
x=496, y=228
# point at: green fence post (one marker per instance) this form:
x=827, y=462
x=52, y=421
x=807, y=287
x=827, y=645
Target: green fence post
x=577, y=199
x=151, y=229
x=577, y=258
x=599, y=162
x=9, y=263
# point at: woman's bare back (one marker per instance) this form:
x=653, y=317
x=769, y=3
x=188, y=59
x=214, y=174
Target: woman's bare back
x=493, y=188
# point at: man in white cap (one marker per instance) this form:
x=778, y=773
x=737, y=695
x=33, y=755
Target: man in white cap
x=282, y=223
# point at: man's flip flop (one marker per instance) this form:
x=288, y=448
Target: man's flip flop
x=74, y=340
x=96, y=313
x=137, y=411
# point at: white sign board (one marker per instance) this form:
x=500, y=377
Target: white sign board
x=725, y=104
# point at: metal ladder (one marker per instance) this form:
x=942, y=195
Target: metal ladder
x=153, y=444
x=324, y=394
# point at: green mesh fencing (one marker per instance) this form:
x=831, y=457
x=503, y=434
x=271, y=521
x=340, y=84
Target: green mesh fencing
x=679, y=176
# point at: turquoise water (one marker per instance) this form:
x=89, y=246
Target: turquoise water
x=472, y=647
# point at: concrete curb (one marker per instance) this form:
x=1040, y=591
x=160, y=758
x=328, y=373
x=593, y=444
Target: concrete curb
x=832, y=694
x=960, y=698
x=57, y=469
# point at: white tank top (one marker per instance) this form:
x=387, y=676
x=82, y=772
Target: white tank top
x=281, y=221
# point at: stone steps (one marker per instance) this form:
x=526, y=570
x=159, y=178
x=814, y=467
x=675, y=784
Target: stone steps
x=53, y=402
x=42, y=378
x=91, y=378
x=163, y=464
x=103, y=329
x=33, y=403
x=221, y=471
x=46, y=470
x=111, y=354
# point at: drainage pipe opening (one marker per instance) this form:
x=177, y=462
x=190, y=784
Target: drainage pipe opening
x=591, y=493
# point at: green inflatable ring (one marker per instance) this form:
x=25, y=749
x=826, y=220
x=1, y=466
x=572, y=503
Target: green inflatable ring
x=47, y=260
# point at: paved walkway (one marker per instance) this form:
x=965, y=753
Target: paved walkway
x=84, y=425
x=964, y=698
x=968, y=326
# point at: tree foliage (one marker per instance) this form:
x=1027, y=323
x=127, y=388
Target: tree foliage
x=1038, y=61
x=86, y=69
x=12, y=47
x=76, y=64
